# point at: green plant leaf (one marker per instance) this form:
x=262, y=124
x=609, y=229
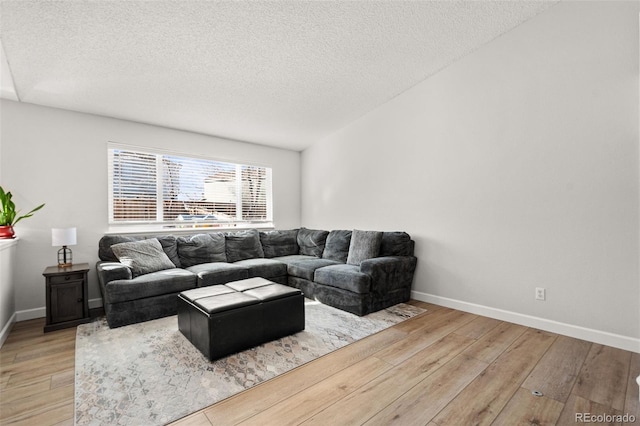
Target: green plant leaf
x=28, y=214
x=8, y=211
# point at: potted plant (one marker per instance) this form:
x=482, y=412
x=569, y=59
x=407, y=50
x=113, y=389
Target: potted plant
x=9, y=216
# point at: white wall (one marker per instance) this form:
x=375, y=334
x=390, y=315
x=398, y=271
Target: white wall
x=514, y=168
x=7, y=287
x=59, y=158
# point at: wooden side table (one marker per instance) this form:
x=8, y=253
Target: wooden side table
x=67, y=296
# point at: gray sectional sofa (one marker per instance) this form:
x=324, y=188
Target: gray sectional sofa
x=356, y=271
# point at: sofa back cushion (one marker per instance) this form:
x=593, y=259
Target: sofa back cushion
x=364, y=245
x=337, y=246
x=201, y=248
x=243, y=245
x=168, y=243
x=143, y=256
x=396, y=244
x=312, y=241
x=279, y=243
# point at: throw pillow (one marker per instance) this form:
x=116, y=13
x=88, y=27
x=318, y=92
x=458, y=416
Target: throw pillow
x=364, y=245
x=312, y=241
x=396, y=244
x=279, y=243
x=143, y=256
x=168, y=242
x=106, y=242
x=337, y=246
x=201, y=248
x=243, y=245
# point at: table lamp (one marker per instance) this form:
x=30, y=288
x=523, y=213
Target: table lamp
x=64, y=237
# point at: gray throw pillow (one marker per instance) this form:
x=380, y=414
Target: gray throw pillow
x=106, y=242
x=243, y=245
x=312, y=241
x=168, y=242
x=337, y=246
x=201, y=248
x=279, y=243
x=364, y=245
x=143, y=256
x=396, y=244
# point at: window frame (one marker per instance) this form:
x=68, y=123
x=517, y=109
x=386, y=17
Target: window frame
x=135, y=226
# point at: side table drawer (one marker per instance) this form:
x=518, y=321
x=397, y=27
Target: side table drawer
x=61, y=279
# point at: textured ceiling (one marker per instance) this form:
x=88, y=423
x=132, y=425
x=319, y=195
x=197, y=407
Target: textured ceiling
x=283, y=73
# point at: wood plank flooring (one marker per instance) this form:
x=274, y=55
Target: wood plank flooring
x=444, y=367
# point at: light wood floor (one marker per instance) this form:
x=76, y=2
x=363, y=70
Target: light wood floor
x=444, y=367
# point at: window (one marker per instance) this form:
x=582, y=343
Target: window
x=179, y=191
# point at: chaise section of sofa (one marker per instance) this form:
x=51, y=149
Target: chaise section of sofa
x=361, y=286
x=357, y=271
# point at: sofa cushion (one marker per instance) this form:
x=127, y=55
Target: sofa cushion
x=337, y=246
x=267, y=268
x=143, y=257
x=279, y=243
x=345, y=277
x=168, y=242
x=218, y=273
x=364, y=245
x=312, y=241
x=148, y=285
x=201, y=248
x=243, y=245
x=396, y=244
x=305, y=268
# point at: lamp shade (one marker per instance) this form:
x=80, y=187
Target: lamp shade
x=63, y=236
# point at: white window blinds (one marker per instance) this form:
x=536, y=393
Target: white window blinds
x=175, y=190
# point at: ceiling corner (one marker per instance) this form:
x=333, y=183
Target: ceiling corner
x=7, y=88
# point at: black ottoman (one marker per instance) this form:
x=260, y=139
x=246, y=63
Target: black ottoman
x=282, y=310
x=224, y=319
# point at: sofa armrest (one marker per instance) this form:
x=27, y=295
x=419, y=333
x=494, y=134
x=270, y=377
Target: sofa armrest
x=389, y=272
x=111, y=271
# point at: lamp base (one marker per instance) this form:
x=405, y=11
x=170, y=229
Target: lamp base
x=65, y=257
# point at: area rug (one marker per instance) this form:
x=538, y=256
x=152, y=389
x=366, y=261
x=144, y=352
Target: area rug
x=150, y=374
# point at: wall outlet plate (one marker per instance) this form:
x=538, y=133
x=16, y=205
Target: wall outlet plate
x=540, y=293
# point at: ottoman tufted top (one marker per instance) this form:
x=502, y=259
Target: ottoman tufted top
x=225, y=302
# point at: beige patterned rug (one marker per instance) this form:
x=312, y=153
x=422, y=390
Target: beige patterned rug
x=150, y=374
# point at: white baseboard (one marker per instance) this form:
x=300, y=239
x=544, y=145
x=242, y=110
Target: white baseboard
x=7, y=329
x=95, y=303
x=591, y=335
x=29, y=314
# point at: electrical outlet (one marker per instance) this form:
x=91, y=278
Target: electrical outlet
x=540, y=293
